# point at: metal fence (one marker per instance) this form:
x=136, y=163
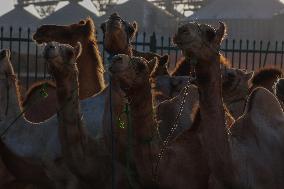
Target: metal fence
x=29, y=65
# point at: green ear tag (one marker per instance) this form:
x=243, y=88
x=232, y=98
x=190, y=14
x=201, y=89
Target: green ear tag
x=120, y=123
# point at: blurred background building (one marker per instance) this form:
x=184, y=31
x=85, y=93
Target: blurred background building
x=246, y=19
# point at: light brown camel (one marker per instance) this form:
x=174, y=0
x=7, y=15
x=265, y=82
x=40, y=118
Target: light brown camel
x=86, y=157
x=24, y=168
x=90, y=65
x=184, y=164
x=118, y=35
x=249, y=157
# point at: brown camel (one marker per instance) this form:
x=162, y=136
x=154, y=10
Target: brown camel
x=90, y=65
x=249, y=157
x=118, y=35
x=213, y=127
x=24, y=169
x=266, y=77
x=87, y=158
x=178, y=168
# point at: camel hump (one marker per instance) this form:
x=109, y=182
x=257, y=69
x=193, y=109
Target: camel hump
x=262, y=102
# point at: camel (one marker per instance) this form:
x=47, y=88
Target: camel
x=36, y=141
x=90, y=66
x=86, y=157
x=118, y=35
x=266, y=77
x=178, y=169
x=235, y=89
x=249, y=155
x=81, y=153
x=15, y=151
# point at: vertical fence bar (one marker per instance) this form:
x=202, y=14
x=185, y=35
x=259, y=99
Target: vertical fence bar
x=266, y=53
x=226, y=48
x=260, y=54
x=162, y=45
x=282, y=50
x=19, y=52
x=275, y=53
x=153, y=43
x=233, y=53
x=247, y=50
x=2, y=32
x=28, y=59
x=144, y=39
x=253, y=54
x=240, y=54
x=10, y=39
x=136, y=39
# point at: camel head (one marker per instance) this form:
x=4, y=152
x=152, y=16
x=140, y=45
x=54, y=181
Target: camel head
x=235, y=82
x=61, y=59
x=68, y=34
x=7, y=78
x=199, y=40
x=163, y=85
x=130, y=72
x=118, y=34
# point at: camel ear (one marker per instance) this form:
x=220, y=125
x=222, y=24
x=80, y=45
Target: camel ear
x=78, y=50
x=220, y=33
x=135, y=26
x=257, y=104
x=249, y=75
x=155, y=64
x=164, y=59
x=132, y=29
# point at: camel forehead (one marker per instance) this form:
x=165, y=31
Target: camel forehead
x=195, y=28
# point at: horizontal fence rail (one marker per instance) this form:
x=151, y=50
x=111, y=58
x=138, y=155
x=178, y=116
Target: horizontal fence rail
x=30, y=67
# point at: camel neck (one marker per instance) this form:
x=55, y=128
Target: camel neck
x=91, y=77
x=144, y=131
x=213, y=126
x=13, y=98
x=69, y=118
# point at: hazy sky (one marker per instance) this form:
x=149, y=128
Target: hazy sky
x=7, y=5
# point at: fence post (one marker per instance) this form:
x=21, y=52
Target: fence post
x=153, y=43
